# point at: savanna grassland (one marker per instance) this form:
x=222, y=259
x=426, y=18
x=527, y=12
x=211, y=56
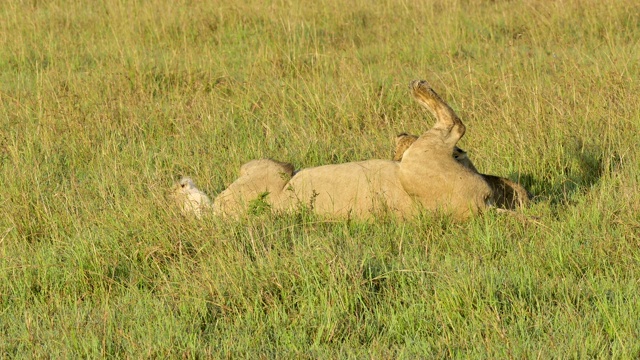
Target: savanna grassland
x=103, y=105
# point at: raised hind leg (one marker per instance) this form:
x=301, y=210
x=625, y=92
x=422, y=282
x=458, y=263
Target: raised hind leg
x=448, y=124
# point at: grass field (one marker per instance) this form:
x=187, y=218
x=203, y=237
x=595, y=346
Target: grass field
x=103, y=105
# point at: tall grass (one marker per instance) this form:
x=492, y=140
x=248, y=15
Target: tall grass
x=103, y=105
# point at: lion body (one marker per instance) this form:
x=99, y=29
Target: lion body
x=358, y=189
x=428, y=172
x=257, y=177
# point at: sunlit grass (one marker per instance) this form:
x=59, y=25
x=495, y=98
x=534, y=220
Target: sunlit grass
x=103, y=106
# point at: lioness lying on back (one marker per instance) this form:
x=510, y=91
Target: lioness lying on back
x=427, y=177
x=429, y=172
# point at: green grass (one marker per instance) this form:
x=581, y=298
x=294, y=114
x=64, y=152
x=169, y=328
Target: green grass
x=103, y=106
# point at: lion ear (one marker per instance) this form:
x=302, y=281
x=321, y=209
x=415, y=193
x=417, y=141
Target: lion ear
x=403, y=142
x=399, y=137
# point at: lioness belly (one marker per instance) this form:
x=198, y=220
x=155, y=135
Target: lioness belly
x=358, y=189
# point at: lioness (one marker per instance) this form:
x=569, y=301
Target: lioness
x=427, y=176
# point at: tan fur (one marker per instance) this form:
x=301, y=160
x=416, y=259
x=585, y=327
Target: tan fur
x=190, y=200
x=506, y=194
x=358, y=189
x=428, y=170
x=428, y=175
x=404, y=140
x=256, y=177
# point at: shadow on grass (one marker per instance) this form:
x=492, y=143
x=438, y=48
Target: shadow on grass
x=582, y=166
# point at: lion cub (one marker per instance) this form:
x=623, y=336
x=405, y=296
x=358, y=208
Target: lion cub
x=190, y=199
x=506, y=194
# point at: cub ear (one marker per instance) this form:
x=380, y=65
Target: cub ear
x=403, y=142
x=400, y=136
x=404, y=137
